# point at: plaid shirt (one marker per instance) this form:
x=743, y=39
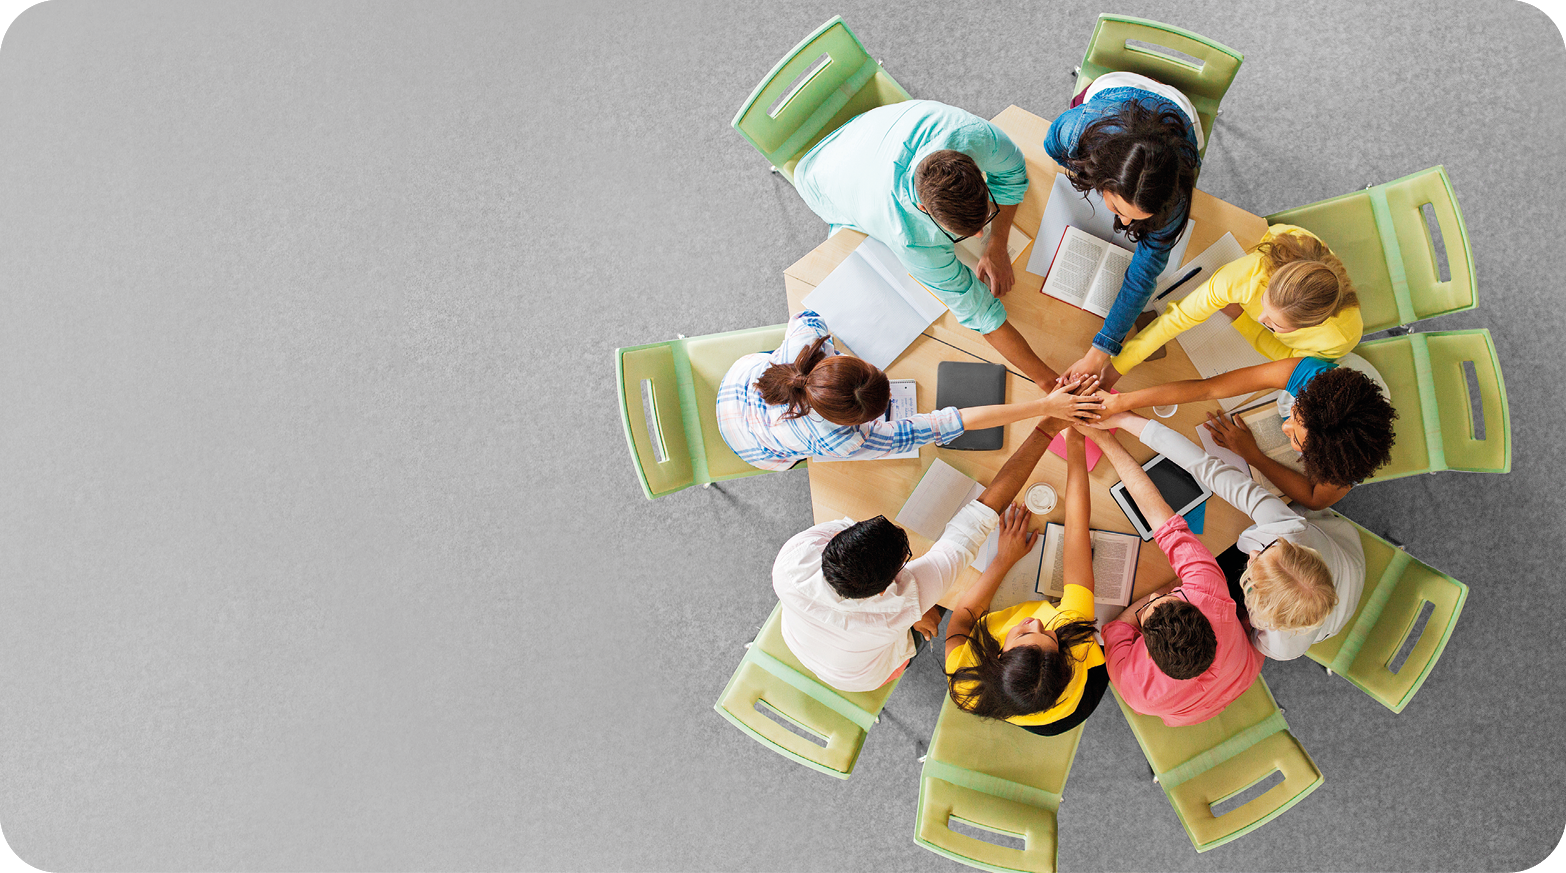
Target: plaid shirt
x=757, y=432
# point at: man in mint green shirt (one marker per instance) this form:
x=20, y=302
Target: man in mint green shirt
x=869, y=174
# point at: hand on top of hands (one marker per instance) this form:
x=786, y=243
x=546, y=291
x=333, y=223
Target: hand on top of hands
x=1094, y=362
x=1074, y=400
x=1015, y=540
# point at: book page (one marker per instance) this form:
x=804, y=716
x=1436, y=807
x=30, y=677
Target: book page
x=1114, y=564
x=938, y=496
x=1215, y=347
x=1106, y=284
x=869, y=314
x=1267, y=426
x=1071, y=276
x=1068, y=207
x=1021, y=582
x=884, y=260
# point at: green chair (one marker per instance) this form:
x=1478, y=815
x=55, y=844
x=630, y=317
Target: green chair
x=770, y=677
x=669, y=406
x=995, y=777
x=1435, y=428
x=1202, y=69
x=816, y=88
x=1396, y=591
x=1203, y=765
x=1384, y=241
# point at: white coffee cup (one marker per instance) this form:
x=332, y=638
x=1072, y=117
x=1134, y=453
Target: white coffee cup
x=1040, y=498
x=1165, y=411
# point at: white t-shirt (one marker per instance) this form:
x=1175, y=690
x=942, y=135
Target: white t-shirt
x=857, y=644
x=1168, y=92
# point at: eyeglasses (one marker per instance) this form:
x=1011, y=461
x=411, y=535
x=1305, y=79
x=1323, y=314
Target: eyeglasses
x=1179, y=591
x=1245, y=578
x=994, y=211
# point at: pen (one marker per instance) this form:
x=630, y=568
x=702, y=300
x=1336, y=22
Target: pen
x=1183, y=280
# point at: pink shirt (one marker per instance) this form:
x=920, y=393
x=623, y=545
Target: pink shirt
x=1138, y=680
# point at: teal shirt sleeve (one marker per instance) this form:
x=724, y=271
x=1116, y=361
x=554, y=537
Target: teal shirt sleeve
x=955, y=285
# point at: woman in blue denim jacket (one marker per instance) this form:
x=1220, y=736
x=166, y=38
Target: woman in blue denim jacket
x=1135, y=142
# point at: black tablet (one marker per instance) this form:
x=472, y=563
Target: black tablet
x=972, y=383
x=1180, y=490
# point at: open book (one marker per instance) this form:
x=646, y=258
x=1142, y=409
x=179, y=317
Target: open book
x=1086, y=271
x=940, y=494
x=872, y=305
x=1267, y=426
x=1042, y=571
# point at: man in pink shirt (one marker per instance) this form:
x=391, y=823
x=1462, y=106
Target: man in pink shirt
x=1179, y=653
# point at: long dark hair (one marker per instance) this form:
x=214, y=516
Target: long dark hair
x=1145, y=157
x=1023, y=681
x=842, y=388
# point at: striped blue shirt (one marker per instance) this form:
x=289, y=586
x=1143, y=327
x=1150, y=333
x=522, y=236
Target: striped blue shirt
x=758, y=433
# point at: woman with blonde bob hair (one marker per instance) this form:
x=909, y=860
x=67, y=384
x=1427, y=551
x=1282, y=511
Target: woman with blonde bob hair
x=1289, y=297
x=1300, y=575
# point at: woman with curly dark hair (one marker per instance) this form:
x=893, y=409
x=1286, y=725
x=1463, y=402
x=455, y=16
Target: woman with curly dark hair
x=1335, y=414
x=1136, y=142
x=1033, y=665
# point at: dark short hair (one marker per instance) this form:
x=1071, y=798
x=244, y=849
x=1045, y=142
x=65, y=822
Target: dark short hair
x=1348, y=427
x=1180, y=640
x=864, y=558
x=951, y=186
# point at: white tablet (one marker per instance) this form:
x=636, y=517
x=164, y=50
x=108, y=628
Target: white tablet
x=1180, y=490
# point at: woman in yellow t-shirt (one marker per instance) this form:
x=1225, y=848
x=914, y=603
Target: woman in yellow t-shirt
x=1033, y=665
x=1289, y=298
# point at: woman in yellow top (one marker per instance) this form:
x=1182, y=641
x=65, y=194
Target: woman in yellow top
x=1033, y=665
x=1289, y=298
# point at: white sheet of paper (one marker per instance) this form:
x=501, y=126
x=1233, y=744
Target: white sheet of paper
x=1205, y=434
x=1066, y=207
x=873, y=307
x=1223, y=251
x=968, y=251
x=939, y=495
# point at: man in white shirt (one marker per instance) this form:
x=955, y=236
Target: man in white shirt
x=850, y=595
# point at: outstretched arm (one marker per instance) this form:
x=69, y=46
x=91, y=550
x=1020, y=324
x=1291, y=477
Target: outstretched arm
x=1142, y=490
x=1003, y=489
x=1061, y=402
x=1007, y=340
x=1079, y=511
x=1015, y=541
x=1235, y=383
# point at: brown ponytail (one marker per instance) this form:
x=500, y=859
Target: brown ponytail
x=1306, y=281
x=841, y=388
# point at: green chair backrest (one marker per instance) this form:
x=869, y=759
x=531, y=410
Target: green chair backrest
x=1365, y=652
x=1205, y=764
x=1436, y=428
x=1384, y=241
x=826, y=80
x=770, y=677
x=1202, y=69
x=995, y=777
x=669, y=402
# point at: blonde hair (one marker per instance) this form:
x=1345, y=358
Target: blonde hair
x=1288, y=587
x=1306, y=281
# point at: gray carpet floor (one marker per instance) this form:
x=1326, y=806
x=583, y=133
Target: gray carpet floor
x=320, y=542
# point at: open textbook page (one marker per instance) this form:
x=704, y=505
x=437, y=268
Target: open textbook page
x=939, y=495
x=969, y=250
x=1087, y=272
x=872, y=306
x=1067, y=207
x=1267, y=426
x=1041, y=572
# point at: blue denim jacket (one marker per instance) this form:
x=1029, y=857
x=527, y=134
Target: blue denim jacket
x=1152, y=253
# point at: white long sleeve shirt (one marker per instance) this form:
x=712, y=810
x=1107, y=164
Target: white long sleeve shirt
x=857, y=644
x=1333, y=537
